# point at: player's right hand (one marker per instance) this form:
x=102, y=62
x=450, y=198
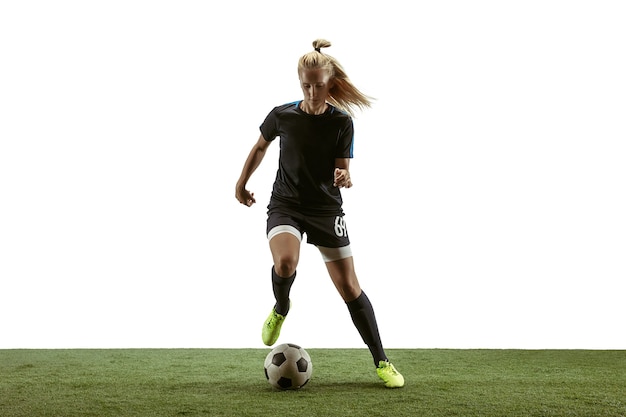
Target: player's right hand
x=244, y=196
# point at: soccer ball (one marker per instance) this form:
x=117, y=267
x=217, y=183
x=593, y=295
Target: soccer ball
x=288, y=366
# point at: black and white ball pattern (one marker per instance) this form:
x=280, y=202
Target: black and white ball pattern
x=288, y=366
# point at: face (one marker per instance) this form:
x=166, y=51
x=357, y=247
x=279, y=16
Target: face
x=315, y=84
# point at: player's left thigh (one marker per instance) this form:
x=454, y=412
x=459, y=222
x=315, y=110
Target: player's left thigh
x=343, y=275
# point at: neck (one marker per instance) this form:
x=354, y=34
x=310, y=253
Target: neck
x=310, y=108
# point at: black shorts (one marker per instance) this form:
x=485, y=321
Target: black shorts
x=325, y=231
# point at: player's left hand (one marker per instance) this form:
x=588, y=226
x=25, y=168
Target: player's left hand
x=342, y=178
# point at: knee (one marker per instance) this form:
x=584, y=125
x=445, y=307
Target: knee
x=285, y=266
x=350, y=291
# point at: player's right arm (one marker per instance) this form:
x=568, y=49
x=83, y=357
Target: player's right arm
x=253, y=161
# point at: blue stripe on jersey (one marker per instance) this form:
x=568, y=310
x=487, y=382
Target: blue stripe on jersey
x=352, y=146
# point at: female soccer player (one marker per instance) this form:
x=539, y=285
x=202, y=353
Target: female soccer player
x=316, y=138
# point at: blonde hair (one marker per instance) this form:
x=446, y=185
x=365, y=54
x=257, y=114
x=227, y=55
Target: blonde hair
x=343, y=94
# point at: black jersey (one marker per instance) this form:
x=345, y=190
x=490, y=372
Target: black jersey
x=309, y=145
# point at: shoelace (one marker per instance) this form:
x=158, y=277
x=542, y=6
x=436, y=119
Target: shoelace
x=272, y=321
x=388, y=367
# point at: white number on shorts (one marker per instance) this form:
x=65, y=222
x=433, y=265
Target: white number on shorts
x=340, y=227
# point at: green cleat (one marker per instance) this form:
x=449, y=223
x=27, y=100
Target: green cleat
x=388, y=373
x=271, y=327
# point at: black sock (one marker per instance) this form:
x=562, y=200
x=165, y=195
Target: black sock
x=362, y=314
x=282, y=287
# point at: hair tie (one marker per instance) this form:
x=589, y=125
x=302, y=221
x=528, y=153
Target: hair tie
x=318, y=50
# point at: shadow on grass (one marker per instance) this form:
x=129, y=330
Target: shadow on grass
x=335, y=387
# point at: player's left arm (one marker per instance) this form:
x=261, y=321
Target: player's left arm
x=342, y=173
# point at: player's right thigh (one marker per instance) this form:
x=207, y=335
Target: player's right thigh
x=285, y=235
x=285, y=249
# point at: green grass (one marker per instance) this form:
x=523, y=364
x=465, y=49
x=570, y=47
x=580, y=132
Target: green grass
x=230, y=382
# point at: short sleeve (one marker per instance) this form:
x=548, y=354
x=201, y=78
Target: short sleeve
x=345, y=144
x=269, y=127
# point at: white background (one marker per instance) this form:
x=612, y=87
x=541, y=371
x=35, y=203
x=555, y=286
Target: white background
x=489, y=202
